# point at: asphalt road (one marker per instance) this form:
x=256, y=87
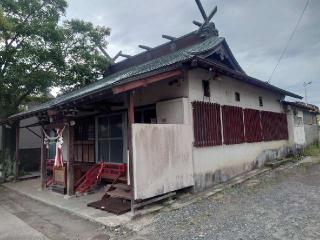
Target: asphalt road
x=280, y=205
x=23, y=218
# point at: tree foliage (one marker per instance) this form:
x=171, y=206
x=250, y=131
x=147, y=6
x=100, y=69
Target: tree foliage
x=37, y=53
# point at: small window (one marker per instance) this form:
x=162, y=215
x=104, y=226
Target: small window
x=206, y=88
x=237, y=96
x=260, y=102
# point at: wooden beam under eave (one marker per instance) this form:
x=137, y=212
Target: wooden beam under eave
x=146, y=81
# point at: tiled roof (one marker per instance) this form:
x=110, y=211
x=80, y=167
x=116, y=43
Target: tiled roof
x=125, y=75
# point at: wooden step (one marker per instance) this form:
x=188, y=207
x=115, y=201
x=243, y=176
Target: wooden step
x=118, y=193
x=122, y=186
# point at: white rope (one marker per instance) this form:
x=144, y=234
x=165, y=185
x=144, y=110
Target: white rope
x=58, y=138
x=53, y=138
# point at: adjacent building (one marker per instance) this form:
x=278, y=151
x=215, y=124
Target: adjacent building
x=302, y=122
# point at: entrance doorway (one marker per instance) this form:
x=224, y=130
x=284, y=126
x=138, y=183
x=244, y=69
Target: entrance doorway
x=111, y=135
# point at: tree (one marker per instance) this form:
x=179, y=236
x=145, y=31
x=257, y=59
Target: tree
x=85, y=57
x=36, y=53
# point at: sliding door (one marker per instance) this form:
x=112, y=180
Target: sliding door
x=111, y=138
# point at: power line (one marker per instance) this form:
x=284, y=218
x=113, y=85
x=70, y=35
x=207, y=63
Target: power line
x=287, y=44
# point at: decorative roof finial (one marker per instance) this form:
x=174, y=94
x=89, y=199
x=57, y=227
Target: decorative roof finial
x=207, y=27
x=120, y=54
x=144, y=47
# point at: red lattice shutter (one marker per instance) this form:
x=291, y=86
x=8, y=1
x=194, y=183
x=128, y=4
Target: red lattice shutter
x=252, y=124
x=206, y=124
x=233, y=127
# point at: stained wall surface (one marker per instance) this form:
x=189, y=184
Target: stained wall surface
x=162, y=158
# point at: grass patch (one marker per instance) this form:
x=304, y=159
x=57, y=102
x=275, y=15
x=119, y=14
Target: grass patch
x=312, y=150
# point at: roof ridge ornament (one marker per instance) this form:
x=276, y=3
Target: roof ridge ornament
x=120, y=54
x=207, y=28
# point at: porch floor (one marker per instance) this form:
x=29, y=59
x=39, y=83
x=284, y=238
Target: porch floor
x=73, y=205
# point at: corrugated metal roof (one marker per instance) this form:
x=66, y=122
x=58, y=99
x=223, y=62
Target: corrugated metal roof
x=303, y=105
x=119, y=77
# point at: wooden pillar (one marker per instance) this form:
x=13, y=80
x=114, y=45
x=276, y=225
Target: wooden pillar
x=17, y=158
x=70, y=162
x=130, y=122
x=43, y=164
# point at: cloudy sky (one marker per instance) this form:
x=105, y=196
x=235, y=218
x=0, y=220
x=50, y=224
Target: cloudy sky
x=256, y=31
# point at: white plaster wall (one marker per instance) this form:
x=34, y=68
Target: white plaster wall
x=161, y=91
x=162, y=158
x=299, y=135
x=296, y=131
x=175, y=111
x=230, y=160
x=27, y=139
x=223, y=88
x=311, y=133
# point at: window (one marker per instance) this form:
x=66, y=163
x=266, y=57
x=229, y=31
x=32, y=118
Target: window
x=145, y=115
x=298, y=121
x=52, y=146
x=110, y=138
x=84, y=130
x=206, y=88
x=84, y=136
x=309, y=118
x=260, y=102
x=237, y=96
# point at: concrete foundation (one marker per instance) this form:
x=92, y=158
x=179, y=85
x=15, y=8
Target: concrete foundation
x=224, y=173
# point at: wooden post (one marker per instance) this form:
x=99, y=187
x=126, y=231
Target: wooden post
x=130, y=122
x=17, y=150
x=70, y=162
x=43, y=164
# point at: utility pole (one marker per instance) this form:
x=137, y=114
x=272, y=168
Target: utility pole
x=305, y=84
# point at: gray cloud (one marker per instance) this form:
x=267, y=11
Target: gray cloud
x=256, y=31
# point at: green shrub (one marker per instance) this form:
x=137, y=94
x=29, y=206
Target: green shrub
x=8, y=165
x=312, y=150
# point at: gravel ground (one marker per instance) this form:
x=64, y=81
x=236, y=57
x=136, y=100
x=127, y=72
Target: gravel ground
x=282, y=204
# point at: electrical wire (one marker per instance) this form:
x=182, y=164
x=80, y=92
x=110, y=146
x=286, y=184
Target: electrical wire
x=287, y=44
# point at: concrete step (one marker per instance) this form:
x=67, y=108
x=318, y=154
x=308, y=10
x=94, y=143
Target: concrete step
x=123, y=179
x=119, y=193
x=278, y=162
x=122, y=186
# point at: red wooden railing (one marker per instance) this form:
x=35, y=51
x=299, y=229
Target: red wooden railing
x=98, y=171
